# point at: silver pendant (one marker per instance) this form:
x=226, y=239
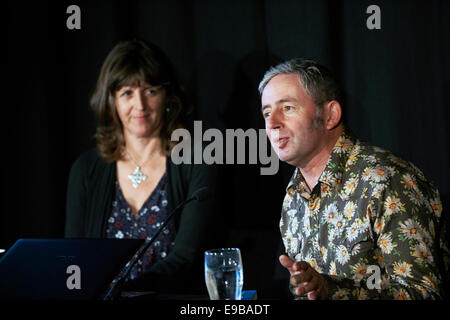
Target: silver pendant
x=137, y=177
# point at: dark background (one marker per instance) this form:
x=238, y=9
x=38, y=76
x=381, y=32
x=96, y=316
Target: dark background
x=397, y=81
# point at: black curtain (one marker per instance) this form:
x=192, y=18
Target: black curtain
x=395, y=79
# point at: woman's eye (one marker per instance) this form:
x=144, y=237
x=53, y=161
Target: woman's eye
x=126, y=93
x=150, y=91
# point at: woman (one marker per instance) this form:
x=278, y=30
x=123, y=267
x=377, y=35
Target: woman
x=128, y=185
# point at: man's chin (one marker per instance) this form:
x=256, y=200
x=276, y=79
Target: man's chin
x=286, y=158
x=289, y=159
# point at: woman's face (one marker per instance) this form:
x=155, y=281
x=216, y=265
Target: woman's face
x=140, y=109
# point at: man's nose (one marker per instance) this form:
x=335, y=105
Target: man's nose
x=274, y=121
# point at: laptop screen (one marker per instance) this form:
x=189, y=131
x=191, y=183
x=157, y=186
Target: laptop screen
x=49, y=269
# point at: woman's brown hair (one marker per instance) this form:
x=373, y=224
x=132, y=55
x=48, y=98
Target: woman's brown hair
x=128, y=64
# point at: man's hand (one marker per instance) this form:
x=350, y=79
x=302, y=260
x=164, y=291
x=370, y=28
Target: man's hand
x=306, y=279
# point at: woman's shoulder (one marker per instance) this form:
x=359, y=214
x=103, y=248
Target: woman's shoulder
x=88, y=161
x=187, y=168
x=88, y=156
x=194, y=175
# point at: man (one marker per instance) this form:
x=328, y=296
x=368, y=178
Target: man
x=357, y=222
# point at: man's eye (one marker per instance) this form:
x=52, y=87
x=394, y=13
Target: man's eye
x=266, y=114
x=288, y=108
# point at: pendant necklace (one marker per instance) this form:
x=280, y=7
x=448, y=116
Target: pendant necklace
x=137, y=177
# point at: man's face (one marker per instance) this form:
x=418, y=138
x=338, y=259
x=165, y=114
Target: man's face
x=289, y=113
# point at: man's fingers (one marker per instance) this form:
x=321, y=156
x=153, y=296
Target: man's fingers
x=300, y=265
x=301, y=276
x=308, y=286
x=287, y=262
x=307, y=280
x=314, y=295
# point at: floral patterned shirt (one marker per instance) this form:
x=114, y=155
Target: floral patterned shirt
x=370, y=211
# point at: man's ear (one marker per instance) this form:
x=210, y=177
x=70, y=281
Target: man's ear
x=332, y=114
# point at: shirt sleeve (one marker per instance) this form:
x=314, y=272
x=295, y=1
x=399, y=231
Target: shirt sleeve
x=404, y=220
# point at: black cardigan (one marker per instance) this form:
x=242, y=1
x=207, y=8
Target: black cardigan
x=89, y=196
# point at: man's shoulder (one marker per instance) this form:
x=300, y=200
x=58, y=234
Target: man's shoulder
x=366, y=154
x=378, y=162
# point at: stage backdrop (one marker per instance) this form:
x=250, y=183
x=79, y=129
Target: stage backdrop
x=396, y=78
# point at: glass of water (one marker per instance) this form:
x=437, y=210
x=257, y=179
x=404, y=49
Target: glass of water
x=224, y=275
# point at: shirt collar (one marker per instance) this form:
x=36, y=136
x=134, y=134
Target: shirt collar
x=335, y=167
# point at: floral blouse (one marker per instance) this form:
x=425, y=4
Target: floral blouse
x=122, y=223
x=369, y=211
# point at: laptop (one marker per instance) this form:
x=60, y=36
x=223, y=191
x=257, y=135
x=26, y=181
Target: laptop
x=63, y=269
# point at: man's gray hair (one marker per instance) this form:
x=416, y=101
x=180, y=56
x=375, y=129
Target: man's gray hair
x=317, y=80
